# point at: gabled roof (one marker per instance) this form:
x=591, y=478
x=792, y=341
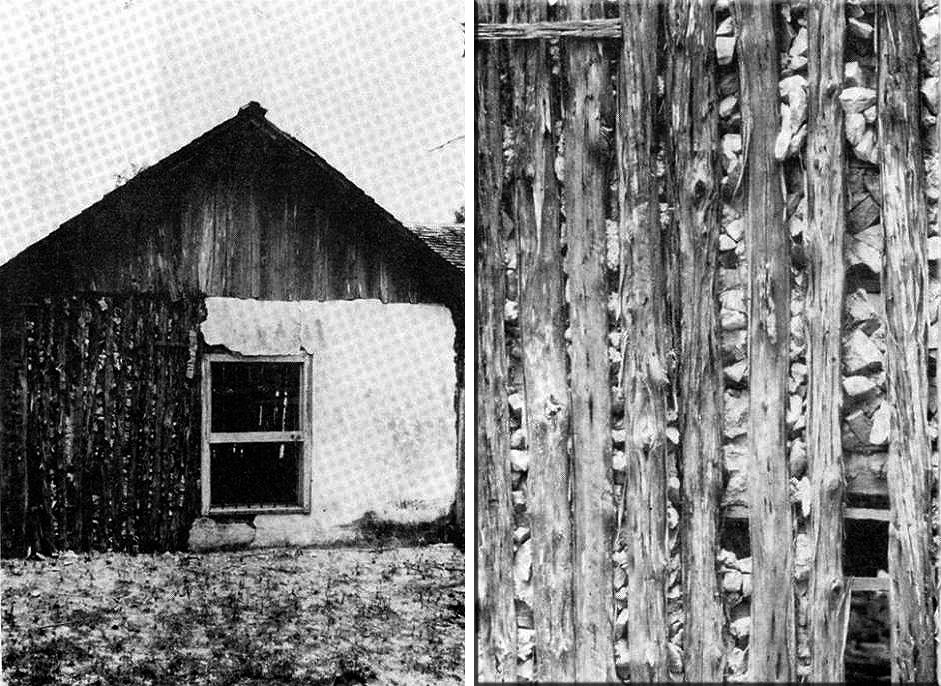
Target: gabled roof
x=445, y=239
x=253, y=114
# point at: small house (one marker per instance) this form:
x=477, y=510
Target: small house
x=237, y=346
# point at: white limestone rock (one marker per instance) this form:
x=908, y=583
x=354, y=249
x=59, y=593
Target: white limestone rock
x=853, y=75
x=865, y=248
x=860, y=354
x=860, y=29
x=515, y=401
x=867, y=148
x=736, y=373
x=732, y=581
x=856, y=99
x=736, y=414
x=856, y=387
x=519, y=460
x=881, y=421
x=725, y=49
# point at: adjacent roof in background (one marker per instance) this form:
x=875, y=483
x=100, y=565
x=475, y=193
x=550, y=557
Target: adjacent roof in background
x=445, y=239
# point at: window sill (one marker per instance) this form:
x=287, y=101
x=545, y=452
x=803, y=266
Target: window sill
x=261, y=509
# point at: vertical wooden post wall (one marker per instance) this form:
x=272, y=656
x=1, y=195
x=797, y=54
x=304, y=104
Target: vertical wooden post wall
x=938, y=410
x=496, y=615
x=691, y=94
x=905, y=284
x=586, y=154
x=826, y=189
x=771, y=646
x=542, y=327
x=643, y=372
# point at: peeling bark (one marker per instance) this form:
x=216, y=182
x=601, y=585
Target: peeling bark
x=694, y=128
x=496, y=616
x=905, y=285
x=643, y=372
x=826, y=193
x=771, y=645
x=542, y=326
x=586, y=152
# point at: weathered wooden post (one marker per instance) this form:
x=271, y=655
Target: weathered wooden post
x=542, y=327
x=496, y=615
x=826, y=192
x=771, y=646
x=586, y=153
x=644, y=334
x=691, y=97
x=905, y=284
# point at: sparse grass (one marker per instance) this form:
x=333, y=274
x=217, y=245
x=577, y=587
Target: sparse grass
x=314, y=617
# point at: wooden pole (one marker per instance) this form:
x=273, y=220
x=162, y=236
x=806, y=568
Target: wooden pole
x=771, y=646
x=496, y=616
x=643, y=372
x=829, y=602
x=905, y=285
x=540, y=30
x=459, y=492
x=691, y=95
x=823, y=241
x=586, y=154
x=938, y=402
x=542, y=327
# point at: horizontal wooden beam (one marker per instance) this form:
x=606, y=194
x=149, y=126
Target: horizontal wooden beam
x=578, y=28
x=257, y=509
x=237, y=357
x=862, y=584
x=256, y=437
x=872, y=514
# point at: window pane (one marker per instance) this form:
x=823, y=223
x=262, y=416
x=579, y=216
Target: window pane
x=255, y=396
x=255, y=473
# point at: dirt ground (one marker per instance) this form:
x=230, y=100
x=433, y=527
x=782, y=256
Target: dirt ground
x=285, y=616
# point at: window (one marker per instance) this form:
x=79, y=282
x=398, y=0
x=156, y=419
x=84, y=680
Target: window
x=256, y=434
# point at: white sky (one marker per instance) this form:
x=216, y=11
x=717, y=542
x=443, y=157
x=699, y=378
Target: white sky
x=91, y=88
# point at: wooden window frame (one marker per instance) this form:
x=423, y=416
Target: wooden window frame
x=303, y=434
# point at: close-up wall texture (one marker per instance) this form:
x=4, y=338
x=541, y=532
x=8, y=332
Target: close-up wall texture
x=707, y=330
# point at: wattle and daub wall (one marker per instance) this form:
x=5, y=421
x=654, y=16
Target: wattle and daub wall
x=100, y=336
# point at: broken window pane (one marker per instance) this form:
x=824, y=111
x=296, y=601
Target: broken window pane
x=255, y=396
x=256, y=474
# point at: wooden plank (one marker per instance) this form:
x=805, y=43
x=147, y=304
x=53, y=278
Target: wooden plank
x=256, y=509
x=772, y=642
x=905, y=286
x=496, y=614
x=307, y=427
x=540, y=30
x=205, y=461
x=586, y=150
x=460, y=478
x=236, y=357
x=867, y=513
x=938, y=390
x=256, y=437
x=867, y=584
x=823, y=313
x=542, y=324
x=694, y=130
x=643, y=377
